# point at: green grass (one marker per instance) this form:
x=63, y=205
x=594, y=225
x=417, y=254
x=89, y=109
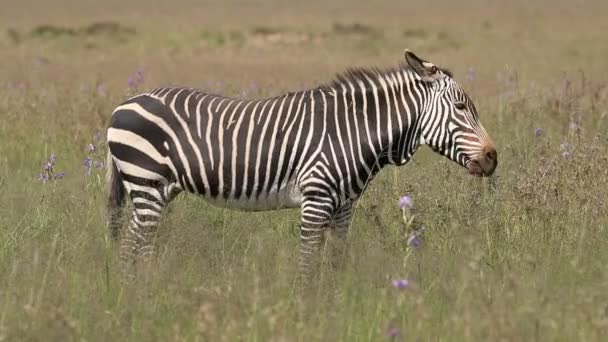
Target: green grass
x=520, y=257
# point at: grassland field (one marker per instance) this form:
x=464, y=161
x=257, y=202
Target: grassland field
x=522, y=256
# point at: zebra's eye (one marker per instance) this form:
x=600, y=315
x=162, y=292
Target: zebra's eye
x=460, y=106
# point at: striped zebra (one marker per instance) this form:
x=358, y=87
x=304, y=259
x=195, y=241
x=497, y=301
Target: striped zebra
x=316, y=149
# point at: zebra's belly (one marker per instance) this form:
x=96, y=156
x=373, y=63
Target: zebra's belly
x=287, y=197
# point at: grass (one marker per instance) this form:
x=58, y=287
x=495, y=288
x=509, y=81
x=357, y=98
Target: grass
x=520, y=257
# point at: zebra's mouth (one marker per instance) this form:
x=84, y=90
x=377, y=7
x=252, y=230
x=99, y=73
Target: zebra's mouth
x=475, y=169
x=480, y=169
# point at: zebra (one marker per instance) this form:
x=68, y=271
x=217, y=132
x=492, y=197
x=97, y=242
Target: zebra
x=316, y=149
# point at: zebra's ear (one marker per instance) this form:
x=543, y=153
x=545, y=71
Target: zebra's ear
x=426, y=70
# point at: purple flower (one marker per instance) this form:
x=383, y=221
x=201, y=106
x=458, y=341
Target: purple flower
x=392, y=332
x=87, y=163
x=136, y=79
x=538, y=132
x=470, y=74
x=401, y=284
x=566, y=155
x=414, y=240
x=101, y=90
x=48, y=167
x=406, y=202
x=139, y=75
x=39, y=61
x=131, y=81
x=91, y=148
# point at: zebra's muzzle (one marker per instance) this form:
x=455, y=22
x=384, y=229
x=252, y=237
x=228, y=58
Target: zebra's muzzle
x=485, y=164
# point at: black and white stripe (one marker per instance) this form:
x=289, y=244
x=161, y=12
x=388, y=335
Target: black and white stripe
x=315, y=149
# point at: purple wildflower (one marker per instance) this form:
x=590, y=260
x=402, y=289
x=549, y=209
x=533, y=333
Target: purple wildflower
x=101, y=90
x=136, y=79
x=139, y=75
x=87, y=162
x=392, y=332
x=470, y=74
x=39, y=61
x=91, y=148
x=565, y=147
x=414, y=240
x=538, y=132
x=401, y=284
x=406, y=202
x=48, y=167
x=131, y=81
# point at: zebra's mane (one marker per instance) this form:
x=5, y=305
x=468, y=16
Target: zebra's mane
x=355, y=74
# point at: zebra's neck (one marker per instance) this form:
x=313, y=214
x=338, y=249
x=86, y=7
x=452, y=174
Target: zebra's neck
x=386, y=107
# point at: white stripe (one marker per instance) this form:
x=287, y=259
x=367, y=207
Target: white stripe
x=248, y=145
x=234, y=148
x=134, y=170
x=137, y=142
x=220, y=167
x=142, y=200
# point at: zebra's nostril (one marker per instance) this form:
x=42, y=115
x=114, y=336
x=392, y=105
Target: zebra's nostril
x=491, y=155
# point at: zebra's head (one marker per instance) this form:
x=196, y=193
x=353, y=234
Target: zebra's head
x=449, y=121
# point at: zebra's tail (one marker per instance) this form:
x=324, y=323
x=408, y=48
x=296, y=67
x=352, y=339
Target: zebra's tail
x=116, y=197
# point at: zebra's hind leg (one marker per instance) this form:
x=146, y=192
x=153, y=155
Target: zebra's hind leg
x=315, y=220
x=149, y=202
x=339, y=235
